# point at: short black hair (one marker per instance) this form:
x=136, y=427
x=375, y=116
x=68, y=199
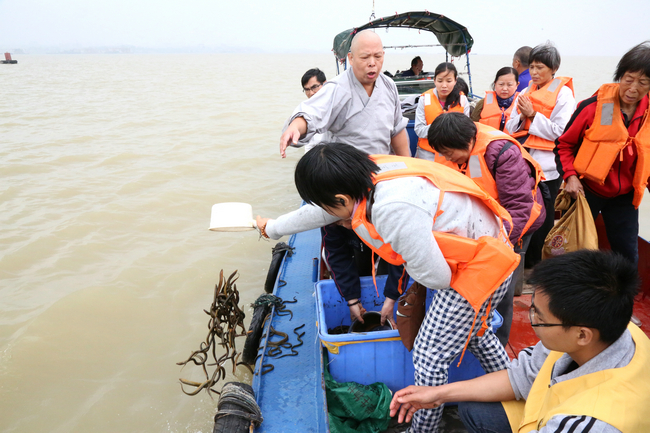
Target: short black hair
x=591, y=288
x=415, y=60
x=315, y=72
x=505, y=71
x=635, y=60
x=451, y=131
x=522, y=54
x=547, y=54
x=334, y=168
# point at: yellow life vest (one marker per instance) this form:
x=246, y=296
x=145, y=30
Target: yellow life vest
x=433, y=109
x=607, y=138
x=543, y=101
x=491, y=112
x=618, y=396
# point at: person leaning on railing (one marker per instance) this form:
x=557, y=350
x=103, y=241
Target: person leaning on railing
x=603, y=153
x=416, y=68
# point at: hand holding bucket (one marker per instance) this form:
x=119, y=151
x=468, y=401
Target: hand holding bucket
x=232, y=217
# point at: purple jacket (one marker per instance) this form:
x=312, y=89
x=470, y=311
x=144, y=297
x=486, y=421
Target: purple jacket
x=514, y=185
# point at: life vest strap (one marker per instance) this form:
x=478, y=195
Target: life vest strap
x=438, y=210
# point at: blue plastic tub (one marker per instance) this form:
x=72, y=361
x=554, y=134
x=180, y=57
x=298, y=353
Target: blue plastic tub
x=380, y=356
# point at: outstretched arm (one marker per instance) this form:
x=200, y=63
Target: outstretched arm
x=305, y=218
x=296, y=129
x=491, y=387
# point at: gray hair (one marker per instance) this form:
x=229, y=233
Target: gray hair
x=547, y=54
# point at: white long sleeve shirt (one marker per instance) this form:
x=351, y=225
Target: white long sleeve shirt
x=547, y=128
x=421, y=127
x=403, y=216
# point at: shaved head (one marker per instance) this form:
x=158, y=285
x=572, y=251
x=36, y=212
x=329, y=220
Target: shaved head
x=366, y=57
x=366, y=37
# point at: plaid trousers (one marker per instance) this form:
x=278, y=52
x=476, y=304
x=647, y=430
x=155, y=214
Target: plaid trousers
x=441, y=339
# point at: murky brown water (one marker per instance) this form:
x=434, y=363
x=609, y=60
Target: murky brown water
x=108, y=168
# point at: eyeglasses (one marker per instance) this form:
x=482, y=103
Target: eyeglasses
x=311, y=89
x=531, y=317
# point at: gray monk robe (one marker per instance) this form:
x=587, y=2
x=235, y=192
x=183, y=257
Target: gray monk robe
x=343, y=110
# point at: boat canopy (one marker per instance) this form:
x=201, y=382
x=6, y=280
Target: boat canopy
x=453, y=37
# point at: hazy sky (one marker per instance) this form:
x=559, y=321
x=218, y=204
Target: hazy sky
x=581, y=27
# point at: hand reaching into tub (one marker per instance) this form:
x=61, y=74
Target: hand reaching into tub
x=356, y=310
x=387, y=312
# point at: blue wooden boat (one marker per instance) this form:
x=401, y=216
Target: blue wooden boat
x=292, y=395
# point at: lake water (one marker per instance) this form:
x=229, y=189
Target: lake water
x=109, y=165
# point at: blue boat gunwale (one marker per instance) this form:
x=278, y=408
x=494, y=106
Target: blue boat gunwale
x=292, y=396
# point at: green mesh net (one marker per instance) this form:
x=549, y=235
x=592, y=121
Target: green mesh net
x=353, y=407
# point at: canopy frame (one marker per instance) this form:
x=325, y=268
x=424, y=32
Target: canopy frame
x=453, y=37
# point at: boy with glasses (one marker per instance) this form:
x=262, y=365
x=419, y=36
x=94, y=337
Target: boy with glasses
x=587, y=374
x=312, y=81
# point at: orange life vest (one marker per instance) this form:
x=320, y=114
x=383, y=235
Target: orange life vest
x=440, y=159
x=477, y=169
x=543, y=101
x=478, y=266
x=491, y=112
x=433, y=109
x=608, y=137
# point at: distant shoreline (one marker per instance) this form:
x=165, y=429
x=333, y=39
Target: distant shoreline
x=130, y=49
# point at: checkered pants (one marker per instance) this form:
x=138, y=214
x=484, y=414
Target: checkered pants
x=441, y=339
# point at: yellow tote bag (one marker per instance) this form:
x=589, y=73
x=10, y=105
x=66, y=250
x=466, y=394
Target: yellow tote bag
x=576, y=229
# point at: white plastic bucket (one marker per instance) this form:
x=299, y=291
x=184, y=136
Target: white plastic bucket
x=232, y=217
